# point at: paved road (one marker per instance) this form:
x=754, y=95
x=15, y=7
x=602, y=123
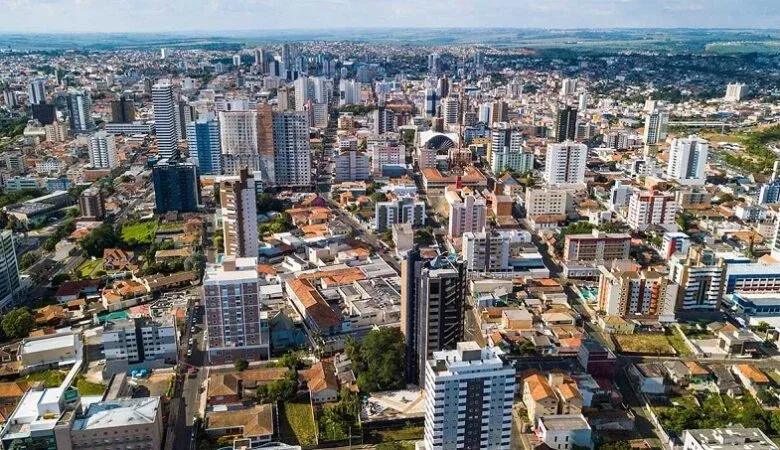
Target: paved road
x=372, y=240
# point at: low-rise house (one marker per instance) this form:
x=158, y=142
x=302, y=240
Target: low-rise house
x=726, y=382
x=517, y=319
x=72, y=290
x=565, y=431
x=322, y=382
x=753, y=378
x=51, y=316
x=616, y=324
x=683, y=373
x=555, y=394
x=649, y=377
x=117, y=259
x=224, y=389
x=738, y=342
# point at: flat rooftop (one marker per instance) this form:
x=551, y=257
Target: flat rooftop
x=564, y=422
x=51, y=342
x=118, y=413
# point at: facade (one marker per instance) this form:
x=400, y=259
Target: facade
x=565, y=163
x=9, y=270
x=596, y=247
x=629, y=293
x=467, y=211
x=236, y=327
x=36, y=91
x=468, y=401
x=700, y=276
x=131, y=422
x=431, y=103
x=238, y=141
x=450, y=110
x=80, y=110
x=165, y=123
x=176, y=187
x=91, y=204
x=382, y=155
x=432, y=309
x=565, y=432
x=122, y=110
x=656, y=125
x=507, y=151
x=492, y=250
x=546, y=201
x=566, y=124
x=50, y=351
x=648, y=208
x=687, y=161
x=349, y=92
x=384, y=120
x=239, y=214
x=734, y=92
x=102, y=151
x=139, y=340
x=205, y=146
x=292, y=160
x=673, y=243
x=351, y=165
x=401, y=210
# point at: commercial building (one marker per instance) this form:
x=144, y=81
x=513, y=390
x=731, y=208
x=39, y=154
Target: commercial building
x=432, y=309
x=467, y=210
x=9, y=270
x=165, y=123
x=565, y=432
x=701, y=276
x=205, y=146
x=80, y=110
x=652, y=207
x=656, y=125
x=687, y=161
x=91, y=204
x=50, y=351
x=643, y=293
x=236, y=327
x=565, y=163
x=566, y=124
x=596, y=246
x=102, y=151
x=468, y=400
x=400, y=210
x=131, y=422
x=239, y=214
x=176, y=187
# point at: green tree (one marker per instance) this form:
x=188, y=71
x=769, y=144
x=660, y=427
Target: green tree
x=241, y=365
x=18, y=323
x=381, y=360
x=377, y=197
x=28, y=259
x=100, y=238
x=59, y=279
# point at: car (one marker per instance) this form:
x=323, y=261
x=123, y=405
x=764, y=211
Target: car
x=189, y=351
x=191, y=341
x=192, y=330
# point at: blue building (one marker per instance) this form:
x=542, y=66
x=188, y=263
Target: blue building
x=58, y=184
x=176, y=186
x=479, y=130
x=204, y=146
x=769, y=194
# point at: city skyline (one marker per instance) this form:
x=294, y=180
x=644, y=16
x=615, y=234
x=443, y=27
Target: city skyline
x=38, y=16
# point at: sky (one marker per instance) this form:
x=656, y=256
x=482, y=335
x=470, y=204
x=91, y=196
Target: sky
x=214, y=15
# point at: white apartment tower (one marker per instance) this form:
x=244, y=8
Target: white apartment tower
x=102, y=151
x=688, y=160
x=165, y=124
x=568, y=87
x=36, y=91
x=292, y=151
x=349, y=92
x=565, y=163
x=648, y=208
x=656, y=125
x=468, y=211
x=468, y=399
x=450, y=110
x=239, y=214
x=735, y=91
x=238, y=140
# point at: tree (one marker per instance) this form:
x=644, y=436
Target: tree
x=28, y=259
x=762, y=327
x=267, y=202
x=18, y=323
x=291, y=360
x=617, y=445
x=377, y=197
x=381, y=360
x=59, y=279
x=100, y=238
x=241, y=365
x=425, y=237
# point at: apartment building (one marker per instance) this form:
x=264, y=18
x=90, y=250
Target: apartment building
x=467, y=210
x=652, y=207
x=632, y=293
x=596, y=246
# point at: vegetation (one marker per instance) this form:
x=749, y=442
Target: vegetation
x=59, y=279
x=12, y=128
x=358, y=110
x=279, y=224
x=267, y=202
x=27, y=260
x=645, y=343
x=139, y=232
x=757, y=156
x=90, y=268
x=338, y=421
x=279, y=390
x=66, y=228
x=10, y=198
x=89, y=388
x=425, y=237
x=241, y=365
x=50, y=378
x=574, y=228
x=379, y=362
x=296, y=423
x=100, y=238
x=715, y=412
x=396, y=436
x=18, y=323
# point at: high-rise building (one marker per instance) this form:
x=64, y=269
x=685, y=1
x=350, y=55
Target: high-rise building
x=701, y=276
x=236, y=326
x=450, y=110
x=499, y=112
x=565, y=163
x=656, y=125
x=582, y=101
x=735, y=92
x=205, y=148
x=184, y=115
x=507, y=151
x=652, y=207
x=239, y=214
x=469, y=393
x=9, y=270
x=9, y=98
x=443, y=87
x=285, y=98
x=265, y=144
x=165, y=123
x=351, y=165
x=80, y=110
x=92, y=205
x=687, y=161
x=36, y=91
x=130, y=341
x=566, y=124
x=238, y=137
x=431, y=102
x=44, y=113
x=674, y=242
x=102, y=151
x=292, y=151
x=434, y=63
x=384, y=120
x=492, y=250
x=399, y=210
x=432, y=309
x=631, y=293
x=349, y=92
x=386, y=154
x=568, y=87
x=176, y=186
x=467, y=210
x=122, y=110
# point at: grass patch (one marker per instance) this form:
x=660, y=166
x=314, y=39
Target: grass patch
x=170, y=226
x=139, y=232
x=88, y=268
x=644, y=343
x=408, y=433
x=297, y=423
x=50, y=378
x=676, y=340
x=89, y=388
